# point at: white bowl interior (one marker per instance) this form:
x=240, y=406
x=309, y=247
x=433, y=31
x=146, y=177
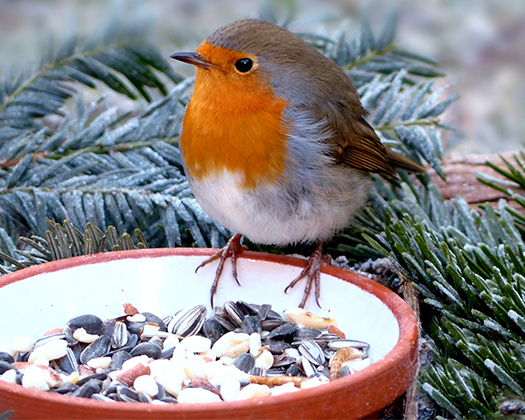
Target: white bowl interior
x=166, y=284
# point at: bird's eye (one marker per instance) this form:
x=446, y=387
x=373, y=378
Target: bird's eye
x=244, y=65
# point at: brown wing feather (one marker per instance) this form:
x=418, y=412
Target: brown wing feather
x=402, y=162
x=357, y=144
x=363, y=150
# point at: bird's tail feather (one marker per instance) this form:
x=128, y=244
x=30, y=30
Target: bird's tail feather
x=400, y=161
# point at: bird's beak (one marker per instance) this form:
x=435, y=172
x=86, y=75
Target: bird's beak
x=192, y=58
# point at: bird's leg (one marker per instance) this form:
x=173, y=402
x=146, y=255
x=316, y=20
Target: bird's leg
x=312, y=272
x=232, y=249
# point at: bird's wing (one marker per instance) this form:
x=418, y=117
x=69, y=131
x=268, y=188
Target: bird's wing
x=355, y=142
x=357, y=145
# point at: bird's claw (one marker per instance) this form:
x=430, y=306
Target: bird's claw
x=232, y=249
x=312, y=272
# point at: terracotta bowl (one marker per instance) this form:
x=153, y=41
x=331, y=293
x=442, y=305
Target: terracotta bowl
x=37, y=299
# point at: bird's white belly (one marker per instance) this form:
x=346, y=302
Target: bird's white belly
x=271, y=215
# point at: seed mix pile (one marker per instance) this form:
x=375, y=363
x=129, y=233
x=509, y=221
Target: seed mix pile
x=241, y=351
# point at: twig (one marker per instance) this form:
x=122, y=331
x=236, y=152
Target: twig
x=410, y=406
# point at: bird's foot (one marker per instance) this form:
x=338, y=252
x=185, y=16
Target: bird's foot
x=312, y=272
x=232, y=249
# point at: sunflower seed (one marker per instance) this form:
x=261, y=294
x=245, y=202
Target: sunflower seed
x=213, y=329
x=234, y=313
x=118, y=358
x=224, y=321
x=283, y=361
x=284, y=332
x=5, y=366
x=251, y=324
x=312, y=351
x=68, y=363
x=306, y=333
x=345, y=371
x=149, y=349
x=257, y=371
x=97, y=348
x=294, y=370
x=6, y=357
x=101, y=397
x=91, y=323
x=88, y=389
x=152, y=318
x=49, y=338
x=270, y=324
x=188, y=321
x=263, y=311
x=66, y=388
x=360, y=345
x=98, y=376
x=120, y=335
x=244, y=362
x=126, y=394
x=326, y=338
x=309, y=368
x=144, y=398
x=276, y=347
x=167, y=353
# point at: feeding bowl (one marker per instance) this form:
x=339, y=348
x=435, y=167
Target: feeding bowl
x=162, y=281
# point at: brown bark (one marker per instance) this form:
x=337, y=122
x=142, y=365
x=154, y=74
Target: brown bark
x=462, y=176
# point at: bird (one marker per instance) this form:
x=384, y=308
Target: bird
x=275, y=144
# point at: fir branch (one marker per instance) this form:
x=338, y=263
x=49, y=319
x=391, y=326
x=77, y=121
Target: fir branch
x=105, y=57
x=65, y=240
x=469, y=269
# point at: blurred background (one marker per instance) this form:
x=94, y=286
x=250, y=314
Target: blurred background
x=480, y=44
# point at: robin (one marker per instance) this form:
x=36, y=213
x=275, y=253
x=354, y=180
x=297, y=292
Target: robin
x=274, y=142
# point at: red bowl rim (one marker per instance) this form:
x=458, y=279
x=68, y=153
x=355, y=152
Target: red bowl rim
x=404, y=353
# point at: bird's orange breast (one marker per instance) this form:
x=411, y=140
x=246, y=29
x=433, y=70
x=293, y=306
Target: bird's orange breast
x=233, y=123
